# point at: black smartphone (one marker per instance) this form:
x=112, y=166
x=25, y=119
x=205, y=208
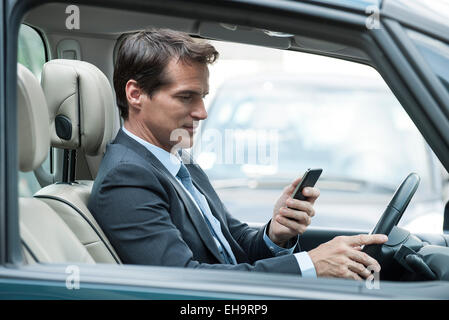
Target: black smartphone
x=308, y=180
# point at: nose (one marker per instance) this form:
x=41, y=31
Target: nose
x=199, y=112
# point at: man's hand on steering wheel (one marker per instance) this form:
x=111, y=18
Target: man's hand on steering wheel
x=342, y=257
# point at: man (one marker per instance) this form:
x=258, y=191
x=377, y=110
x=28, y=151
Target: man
x=160, y=209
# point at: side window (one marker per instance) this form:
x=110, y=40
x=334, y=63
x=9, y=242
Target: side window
x=31, y=54
x=31, y=51
x=272, y=114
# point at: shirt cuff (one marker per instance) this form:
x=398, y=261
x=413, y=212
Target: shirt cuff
x=274, y=248
x=305, y=264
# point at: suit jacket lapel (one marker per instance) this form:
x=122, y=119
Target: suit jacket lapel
x=197, y=218
x=191, y=208
x=238, y=253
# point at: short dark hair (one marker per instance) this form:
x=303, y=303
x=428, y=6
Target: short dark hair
x=143, y=56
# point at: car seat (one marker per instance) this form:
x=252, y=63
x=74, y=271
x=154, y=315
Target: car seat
x=82, y=117
x=45, y=237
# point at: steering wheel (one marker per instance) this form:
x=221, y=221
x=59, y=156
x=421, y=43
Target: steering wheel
x=393, y=213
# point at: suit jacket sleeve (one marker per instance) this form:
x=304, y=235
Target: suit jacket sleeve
x=250, y=239
x=135, y=215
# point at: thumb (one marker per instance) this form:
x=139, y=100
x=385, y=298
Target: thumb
x=289, y=190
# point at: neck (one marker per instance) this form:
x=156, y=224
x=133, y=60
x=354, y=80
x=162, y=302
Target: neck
x=144, y=133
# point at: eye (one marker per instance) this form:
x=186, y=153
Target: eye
x=185, y=98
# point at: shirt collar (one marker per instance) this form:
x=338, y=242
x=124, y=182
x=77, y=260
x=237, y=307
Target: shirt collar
x=171, y=161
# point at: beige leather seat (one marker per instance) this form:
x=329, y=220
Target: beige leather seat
x=82, y=118
x=45, y=236
x=78, y=91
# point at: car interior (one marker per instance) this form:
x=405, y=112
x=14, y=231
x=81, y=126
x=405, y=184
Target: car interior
x=70, y=115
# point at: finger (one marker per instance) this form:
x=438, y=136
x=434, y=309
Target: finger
x=360, y=269
x=300, y=216
x=363, y=258
x=291, y=224
x=366, y=239
x=311, y=193
x=352, y=275
x=296, y=182
x=301, y=206
x=290, y=188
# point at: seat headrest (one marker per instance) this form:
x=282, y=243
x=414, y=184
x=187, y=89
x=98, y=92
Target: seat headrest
x=81, y=105
x=32, y=115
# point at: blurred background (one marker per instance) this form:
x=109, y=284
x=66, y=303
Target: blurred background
x=272, y=114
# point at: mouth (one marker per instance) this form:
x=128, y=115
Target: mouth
x=191, y=129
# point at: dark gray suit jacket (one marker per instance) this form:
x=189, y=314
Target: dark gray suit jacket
x=149, y=219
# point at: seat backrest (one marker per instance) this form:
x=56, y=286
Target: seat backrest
x=70, y=202
x=82, y=118
x=45, y=236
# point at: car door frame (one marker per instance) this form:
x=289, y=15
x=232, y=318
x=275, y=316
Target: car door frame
x=3, y=157
x=104, y=278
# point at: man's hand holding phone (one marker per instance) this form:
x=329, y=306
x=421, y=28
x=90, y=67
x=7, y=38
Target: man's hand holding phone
x=340, y=257
x=292, y=216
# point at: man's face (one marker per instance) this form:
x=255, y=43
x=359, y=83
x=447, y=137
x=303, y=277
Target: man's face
x=174, y=110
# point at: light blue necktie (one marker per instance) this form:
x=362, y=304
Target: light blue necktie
x=212, y=222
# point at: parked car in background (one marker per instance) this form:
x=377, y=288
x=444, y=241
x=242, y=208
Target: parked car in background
x=263, y=131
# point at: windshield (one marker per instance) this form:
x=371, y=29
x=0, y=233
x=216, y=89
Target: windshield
x=282, y=123
x=436, y=54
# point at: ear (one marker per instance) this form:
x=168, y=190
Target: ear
x=134, y=94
